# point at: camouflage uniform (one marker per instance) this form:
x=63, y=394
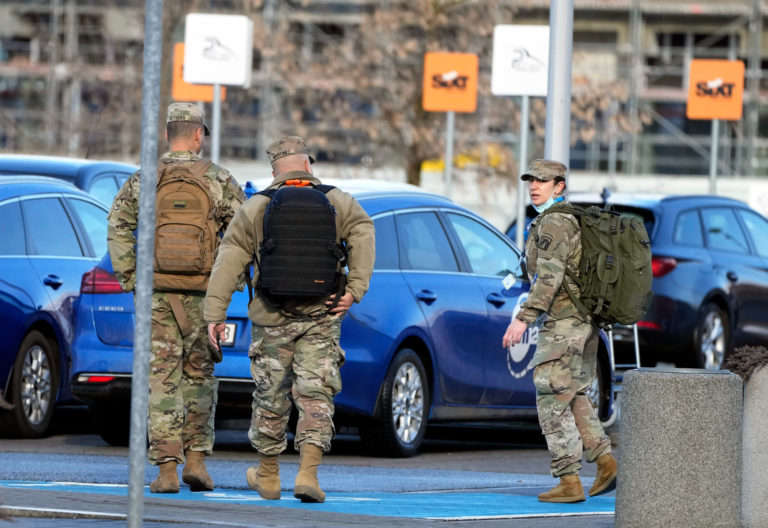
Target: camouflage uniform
x=289, y=353
x=566, y=354
x=182, y=387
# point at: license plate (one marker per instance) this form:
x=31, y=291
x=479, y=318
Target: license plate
x=229, y=335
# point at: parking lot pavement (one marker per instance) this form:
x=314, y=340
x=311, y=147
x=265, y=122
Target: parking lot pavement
x=355, y=496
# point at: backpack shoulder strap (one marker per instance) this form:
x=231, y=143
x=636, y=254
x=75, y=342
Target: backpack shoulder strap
x=324, y=188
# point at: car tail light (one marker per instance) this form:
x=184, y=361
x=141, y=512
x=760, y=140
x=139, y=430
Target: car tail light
x=99, y=280
x=662, y=265
x=94, y=379
x=649, y=325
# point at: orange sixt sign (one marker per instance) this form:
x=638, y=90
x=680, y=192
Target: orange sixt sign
x=715, y=89
x=450, y=82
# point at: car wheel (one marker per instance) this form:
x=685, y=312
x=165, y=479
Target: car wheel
x=404, y=404
x=34, y=385
x=711, y=339
x=597, y=393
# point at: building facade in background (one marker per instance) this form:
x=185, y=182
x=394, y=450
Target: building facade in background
x=70, y=81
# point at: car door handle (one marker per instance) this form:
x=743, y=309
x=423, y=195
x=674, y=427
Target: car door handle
x=54, y=281
x=732, y=276
x=496, y=300
x=428, y=296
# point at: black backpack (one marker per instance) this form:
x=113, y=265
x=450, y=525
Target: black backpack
x=299, y=256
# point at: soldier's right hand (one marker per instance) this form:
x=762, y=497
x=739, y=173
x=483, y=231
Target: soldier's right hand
x=216, y=331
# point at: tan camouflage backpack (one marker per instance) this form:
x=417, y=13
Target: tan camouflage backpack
x=186, y=235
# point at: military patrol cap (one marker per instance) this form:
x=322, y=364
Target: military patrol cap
x=545, y=170
x=287, y=146
x=187, y=112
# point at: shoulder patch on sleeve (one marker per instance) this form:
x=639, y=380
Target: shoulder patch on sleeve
x=543, y=242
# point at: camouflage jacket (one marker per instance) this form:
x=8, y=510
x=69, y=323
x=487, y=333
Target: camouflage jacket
x=245, y=233
x=123, y=217
x=554, y=243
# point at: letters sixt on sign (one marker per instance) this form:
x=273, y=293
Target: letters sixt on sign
x=450, y=80
x=715, y=89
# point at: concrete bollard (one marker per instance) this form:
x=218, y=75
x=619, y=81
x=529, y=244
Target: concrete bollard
x=680, y=439
x=754, y=512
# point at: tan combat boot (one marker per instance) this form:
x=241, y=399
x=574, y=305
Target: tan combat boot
x=266, y=478
x=195, y=474
x=569, y=490
x=607, y=469
x=167, y=480
x=306, y=487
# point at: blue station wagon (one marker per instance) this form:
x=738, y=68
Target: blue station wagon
x=52, y=234
x=423, y=346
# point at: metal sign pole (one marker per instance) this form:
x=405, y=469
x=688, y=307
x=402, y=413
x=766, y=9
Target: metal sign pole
x=153, y=45
x=713, y=156
x=449, y=152
x=216, y=132
x=558, y=123
x=521, y=186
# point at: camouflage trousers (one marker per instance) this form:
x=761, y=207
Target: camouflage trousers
x=182, y=387
x=300, y=358
x=566, y=415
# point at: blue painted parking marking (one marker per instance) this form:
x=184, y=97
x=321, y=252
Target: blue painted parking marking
x=450, y=505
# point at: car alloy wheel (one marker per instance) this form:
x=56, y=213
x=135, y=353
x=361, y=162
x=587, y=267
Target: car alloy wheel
x=404, y=404
x=596, y=392
x=711, y=338
x=34, y=386
x=407, y=402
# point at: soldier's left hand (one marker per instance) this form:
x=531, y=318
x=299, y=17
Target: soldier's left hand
x=514, y=333
x=345, y=303
x=216, y=330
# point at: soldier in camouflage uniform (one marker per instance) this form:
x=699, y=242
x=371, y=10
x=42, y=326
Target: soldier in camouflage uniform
x=182, y=387
x=291, y=354
x=566, y=353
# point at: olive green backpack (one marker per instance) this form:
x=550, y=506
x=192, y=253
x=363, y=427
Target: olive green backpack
x=615, y=270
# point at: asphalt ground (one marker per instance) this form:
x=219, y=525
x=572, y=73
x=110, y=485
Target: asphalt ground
x=75, y=480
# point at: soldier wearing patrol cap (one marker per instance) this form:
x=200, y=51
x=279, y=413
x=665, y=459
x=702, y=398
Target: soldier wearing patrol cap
x=566, y=353
x=291, y=354
x=182, y=387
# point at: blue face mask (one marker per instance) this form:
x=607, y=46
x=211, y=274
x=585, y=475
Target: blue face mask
x=549, y=203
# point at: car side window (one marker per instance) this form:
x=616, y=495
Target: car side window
x=488, y=254
x=386, y=243
x=758, y=229
x=723, y=231
x=423, y=243
x=688, y=229
x=104, y=189
x=94, y=221
x=12, y=241
x=49, y=229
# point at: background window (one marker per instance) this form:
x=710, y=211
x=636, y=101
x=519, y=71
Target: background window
x=386, y=243
x=758, y=229
x=488, y=254
x=423, y=243
x=49, y=229
x=723, y=230
x=12, y=241
x=688, y=229
x=104, y=189
x=94, y=220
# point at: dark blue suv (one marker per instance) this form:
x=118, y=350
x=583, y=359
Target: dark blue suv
x=52, y=234
x=423, y=346
x=100, y=178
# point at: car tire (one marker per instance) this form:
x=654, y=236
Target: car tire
x=404, y=407
x=113, y=424
x=33, y=387
x=711, y=338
